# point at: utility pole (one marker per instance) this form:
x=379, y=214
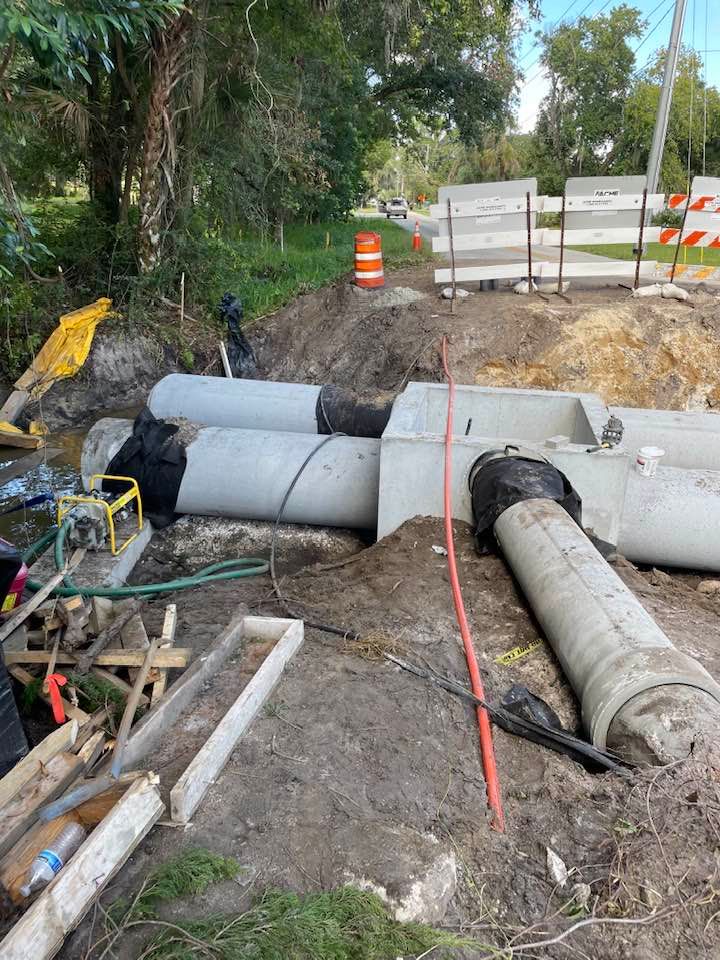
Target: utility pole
x=663, y=113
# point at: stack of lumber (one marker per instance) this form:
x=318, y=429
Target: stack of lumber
x=89, y=770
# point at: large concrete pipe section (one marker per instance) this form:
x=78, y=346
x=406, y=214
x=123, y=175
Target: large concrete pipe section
x=246, y=473
x=639, y=695
x=269, y=405
x=690, y=438
x=247, y=404
x=672, y=519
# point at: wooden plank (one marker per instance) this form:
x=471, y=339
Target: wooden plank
x=149, y=730
x=91, y=750
x=26, y=441
x=22, y=811
x=112, y=631
x=131, y=706
x=483, y=241
x=14, y=405
x=26, y=463
x=167, y=638
x=56, y=742
x=118, y=682
x=170, y=657
x=202, y=771
x=92, y=811
x=71, y=711
x=40, y=932
x=15, y=864
x=23, y=612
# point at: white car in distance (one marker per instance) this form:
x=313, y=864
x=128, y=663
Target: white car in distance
x=397, y=207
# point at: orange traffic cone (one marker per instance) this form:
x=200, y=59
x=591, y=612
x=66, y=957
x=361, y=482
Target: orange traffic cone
x=417, y=239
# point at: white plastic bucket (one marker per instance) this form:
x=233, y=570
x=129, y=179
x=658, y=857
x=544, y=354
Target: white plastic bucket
x=647, y=460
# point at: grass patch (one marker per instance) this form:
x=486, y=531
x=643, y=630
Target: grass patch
x=98, y=261
x=655, y=251
x=344, y=924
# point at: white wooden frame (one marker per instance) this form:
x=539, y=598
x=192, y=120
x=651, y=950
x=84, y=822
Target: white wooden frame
x=188, y=792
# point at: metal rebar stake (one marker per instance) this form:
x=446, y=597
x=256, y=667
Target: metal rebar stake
x=529, y=241
x=562, y=246
x=640, y=239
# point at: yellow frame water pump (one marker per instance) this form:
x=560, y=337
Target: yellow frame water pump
x=68, y=503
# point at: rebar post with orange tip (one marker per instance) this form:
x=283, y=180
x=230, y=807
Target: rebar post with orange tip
x=641, y=239
x=487, y=751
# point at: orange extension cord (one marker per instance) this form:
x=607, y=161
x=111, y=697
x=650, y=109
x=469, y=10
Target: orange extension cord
x=487, y=751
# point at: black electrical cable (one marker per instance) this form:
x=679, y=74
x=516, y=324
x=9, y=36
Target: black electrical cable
x=325, y=627
x=557, y=740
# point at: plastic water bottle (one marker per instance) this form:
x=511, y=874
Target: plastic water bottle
x=51, y=860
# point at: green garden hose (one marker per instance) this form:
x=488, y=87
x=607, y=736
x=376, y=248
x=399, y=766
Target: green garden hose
x=224, y=570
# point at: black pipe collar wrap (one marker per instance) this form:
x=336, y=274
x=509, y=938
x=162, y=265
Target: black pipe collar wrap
x=341, y=411
x=156, y=459
x=500, y=478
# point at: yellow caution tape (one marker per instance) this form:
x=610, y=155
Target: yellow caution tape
x=512, y=655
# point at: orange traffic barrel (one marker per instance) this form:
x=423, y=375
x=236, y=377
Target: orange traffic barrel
x=368, y=260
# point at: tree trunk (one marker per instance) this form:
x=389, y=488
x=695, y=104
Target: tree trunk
x=190, y=133
x=159, y=162
x=105, y=146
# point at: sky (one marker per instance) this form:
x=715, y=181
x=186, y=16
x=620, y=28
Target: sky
x=534, y=86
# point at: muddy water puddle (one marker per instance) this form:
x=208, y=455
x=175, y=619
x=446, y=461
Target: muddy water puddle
x=53, y=478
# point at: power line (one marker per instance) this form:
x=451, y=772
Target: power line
x=559, y=20
x=597, y=14
x=538, y=59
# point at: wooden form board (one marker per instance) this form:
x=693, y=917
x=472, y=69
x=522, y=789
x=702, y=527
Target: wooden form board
x=151, y=728
x=192, y=786
x=40, y=932
x=55, y=742
x=22, y=811
x=169, y=657
x=26, y=463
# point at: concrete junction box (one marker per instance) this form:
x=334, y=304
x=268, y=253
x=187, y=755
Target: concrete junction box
x=558, y=426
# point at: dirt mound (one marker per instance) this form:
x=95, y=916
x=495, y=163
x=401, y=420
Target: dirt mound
x=637, y=353
x=358, y=771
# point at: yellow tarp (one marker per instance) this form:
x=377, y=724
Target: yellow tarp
x=65, y=350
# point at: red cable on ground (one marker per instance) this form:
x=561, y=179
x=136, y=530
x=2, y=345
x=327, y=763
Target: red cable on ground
x=487, y=751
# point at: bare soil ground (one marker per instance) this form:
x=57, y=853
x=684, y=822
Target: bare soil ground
x=360, y=772
x=642, y=353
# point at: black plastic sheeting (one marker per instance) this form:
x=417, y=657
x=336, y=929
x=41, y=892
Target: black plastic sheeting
x=154, y=458
x=241, y=355
x=10, y=563
x=13, y=742
x=499, y=479
x=341, y=411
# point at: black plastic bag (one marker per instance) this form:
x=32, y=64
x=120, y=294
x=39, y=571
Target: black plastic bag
x=240, y=354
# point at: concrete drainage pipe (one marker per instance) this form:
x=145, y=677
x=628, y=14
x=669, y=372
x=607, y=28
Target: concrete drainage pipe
x=639, y=695
x=246, y=473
